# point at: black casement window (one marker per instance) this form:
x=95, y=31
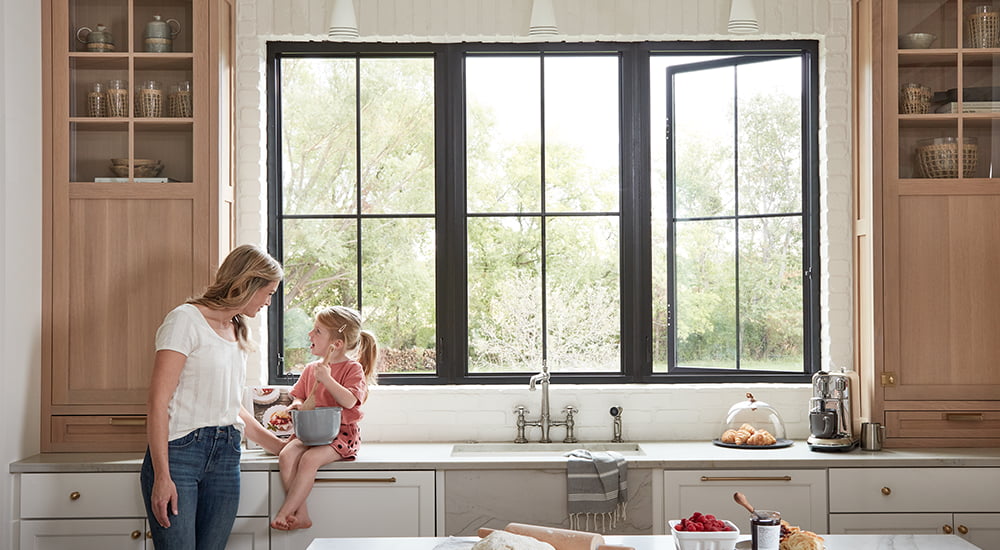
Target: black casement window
x=640, y=212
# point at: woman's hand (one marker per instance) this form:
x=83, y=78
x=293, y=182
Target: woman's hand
x=163, y=500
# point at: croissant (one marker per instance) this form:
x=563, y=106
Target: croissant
x=748, y=428
x=802, y=540
x=728, y=436
x=741, y=436
x=761, y=438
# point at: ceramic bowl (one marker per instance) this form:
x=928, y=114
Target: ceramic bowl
x=703, y=540
x=318, y=426
x=916, y=40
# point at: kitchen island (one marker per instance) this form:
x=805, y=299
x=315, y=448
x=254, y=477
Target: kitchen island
x=655, y=542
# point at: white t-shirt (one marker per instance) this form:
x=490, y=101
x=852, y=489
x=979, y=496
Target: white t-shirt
x=210, y=388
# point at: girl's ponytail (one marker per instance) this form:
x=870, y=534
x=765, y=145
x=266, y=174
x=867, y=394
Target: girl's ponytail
x=368, y=356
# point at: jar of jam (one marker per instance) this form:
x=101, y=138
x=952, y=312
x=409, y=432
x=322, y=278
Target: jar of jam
x=765, y=530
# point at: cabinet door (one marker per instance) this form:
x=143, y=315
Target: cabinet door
x=361, y=504
x=890, y=524
x=983, y=530
x=83, y=534
x=249, y=534
x=799, y=495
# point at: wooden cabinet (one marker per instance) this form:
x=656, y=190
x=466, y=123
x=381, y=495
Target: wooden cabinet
x=928, y=233
x=960, y=501
x=121, y=250
x=105, y=511
x=799, y=495
x=362, y=504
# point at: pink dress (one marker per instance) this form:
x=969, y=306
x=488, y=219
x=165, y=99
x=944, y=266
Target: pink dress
x=351, y=375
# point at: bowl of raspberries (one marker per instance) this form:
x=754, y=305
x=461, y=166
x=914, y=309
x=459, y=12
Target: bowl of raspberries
x=704, y=532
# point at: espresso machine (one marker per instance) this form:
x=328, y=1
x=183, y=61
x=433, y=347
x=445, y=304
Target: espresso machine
x=833, y=420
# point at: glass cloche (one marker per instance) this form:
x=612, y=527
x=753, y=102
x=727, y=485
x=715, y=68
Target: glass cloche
x=752, y=424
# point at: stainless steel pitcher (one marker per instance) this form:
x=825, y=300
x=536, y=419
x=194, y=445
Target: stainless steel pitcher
x=872, y=436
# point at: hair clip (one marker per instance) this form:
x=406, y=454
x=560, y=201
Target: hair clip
x=341, y=329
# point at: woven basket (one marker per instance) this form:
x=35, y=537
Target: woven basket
x=914, y=99
x=939, y=159
x=984, y=29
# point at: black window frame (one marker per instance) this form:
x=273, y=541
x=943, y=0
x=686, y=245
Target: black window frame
x=634, y=207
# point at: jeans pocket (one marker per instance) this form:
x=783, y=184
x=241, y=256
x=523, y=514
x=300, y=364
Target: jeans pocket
x=183, y=441
x=236, y=440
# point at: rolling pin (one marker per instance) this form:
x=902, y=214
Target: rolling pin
x=560, y=539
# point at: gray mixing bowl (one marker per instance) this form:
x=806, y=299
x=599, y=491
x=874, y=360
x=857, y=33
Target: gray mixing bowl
x=318, y=426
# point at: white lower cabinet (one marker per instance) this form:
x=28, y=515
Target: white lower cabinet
x=960, y=501
x=105, y=511
x=361, y=504
x=799, y=495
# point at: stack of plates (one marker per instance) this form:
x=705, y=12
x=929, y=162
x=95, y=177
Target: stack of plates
x=743, y=26
x=342, y=32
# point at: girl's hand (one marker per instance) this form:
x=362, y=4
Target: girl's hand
x=322, y=371
x=163, y=500
x=296, y=404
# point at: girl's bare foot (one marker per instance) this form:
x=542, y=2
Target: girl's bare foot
x=300, y=521
x=282, y=523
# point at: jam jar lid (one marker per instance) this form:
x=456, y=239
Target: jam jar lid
x=757, y=415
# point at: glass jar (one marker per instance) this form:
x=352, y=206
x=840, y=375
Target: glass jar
x=97, y=102
x=117, y=98
x=765, y=530
x=149, y=100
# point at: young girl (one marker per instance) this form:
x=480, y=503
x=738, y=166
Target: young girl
x=342, y=382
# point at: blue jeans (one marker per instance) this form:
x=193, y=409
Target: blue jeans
x=205, y=467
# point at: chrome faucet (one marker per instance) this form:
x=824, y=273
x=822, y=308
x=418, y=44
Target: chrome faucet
x=545, y=419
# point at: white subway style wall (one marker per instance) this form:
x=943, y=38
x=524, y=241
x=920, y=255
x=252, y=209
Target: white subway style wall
x=651, y=412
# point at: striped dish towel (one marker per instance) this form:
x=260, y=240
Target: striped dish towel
x=596, y=489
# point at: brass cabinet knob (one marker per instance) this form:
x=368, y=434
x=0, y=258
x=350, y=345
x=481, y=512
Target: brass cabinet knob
x=963, y=529
x=886, y=491
x=136, y=534
x=947, y=529
x=75, y=495
x=149, y=534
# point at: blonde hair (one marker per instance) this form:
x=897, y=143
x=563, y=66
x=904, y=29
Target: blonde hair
x=245, y=270
x=345, y=323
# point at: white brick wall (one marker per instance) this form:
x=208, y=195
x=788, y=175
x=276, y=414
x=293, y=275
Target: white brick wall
x=653, y=412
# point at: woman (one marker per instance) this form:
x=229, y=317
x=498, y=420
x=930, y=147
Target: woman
x=191, y=471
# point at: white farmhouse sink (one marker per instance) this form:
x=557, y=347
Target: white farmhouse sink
x=541, y=449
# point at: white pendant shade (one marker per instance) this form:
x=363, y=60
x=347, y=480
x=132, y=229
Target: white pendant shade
x=342, y=23
x=543, y=19
x=743, y=17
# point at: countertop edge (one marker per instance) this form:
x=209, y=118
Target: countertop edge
x=684, y=455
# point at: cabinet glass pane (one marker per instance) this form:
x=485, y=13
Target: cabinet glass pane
x=177, y=14
x=936, y=17
x=84, y=74
x=92, y=145
x=85, y=15
x=171, y=144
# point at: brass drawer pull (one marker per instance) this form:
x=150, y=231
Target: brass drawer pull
x=886, y=491
x=136, y=534
x=127, y=421
x=964, y=417
x=75, y=495
x=963, y=530
x=356, y=480
x=750, y=478
x=947, y=529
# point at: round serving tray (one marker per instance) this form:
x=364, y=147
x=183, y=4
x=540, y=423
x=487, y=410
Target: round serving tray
x=776, y=445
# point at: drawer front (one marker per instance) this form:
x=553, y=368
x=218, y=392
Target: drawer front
x=253, y=494
x=942, y=424
x=800, y=495
x=860, y=490
x=107, y=495
x=111, y=434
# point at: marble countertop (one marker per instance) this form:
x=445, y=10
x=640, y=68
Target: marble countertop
x=676, y=455
x=656, y=542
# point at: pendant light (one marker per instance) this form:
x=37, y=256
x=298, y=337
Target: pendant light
x=743, y=17
x=343, y=24
x=543, y=19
